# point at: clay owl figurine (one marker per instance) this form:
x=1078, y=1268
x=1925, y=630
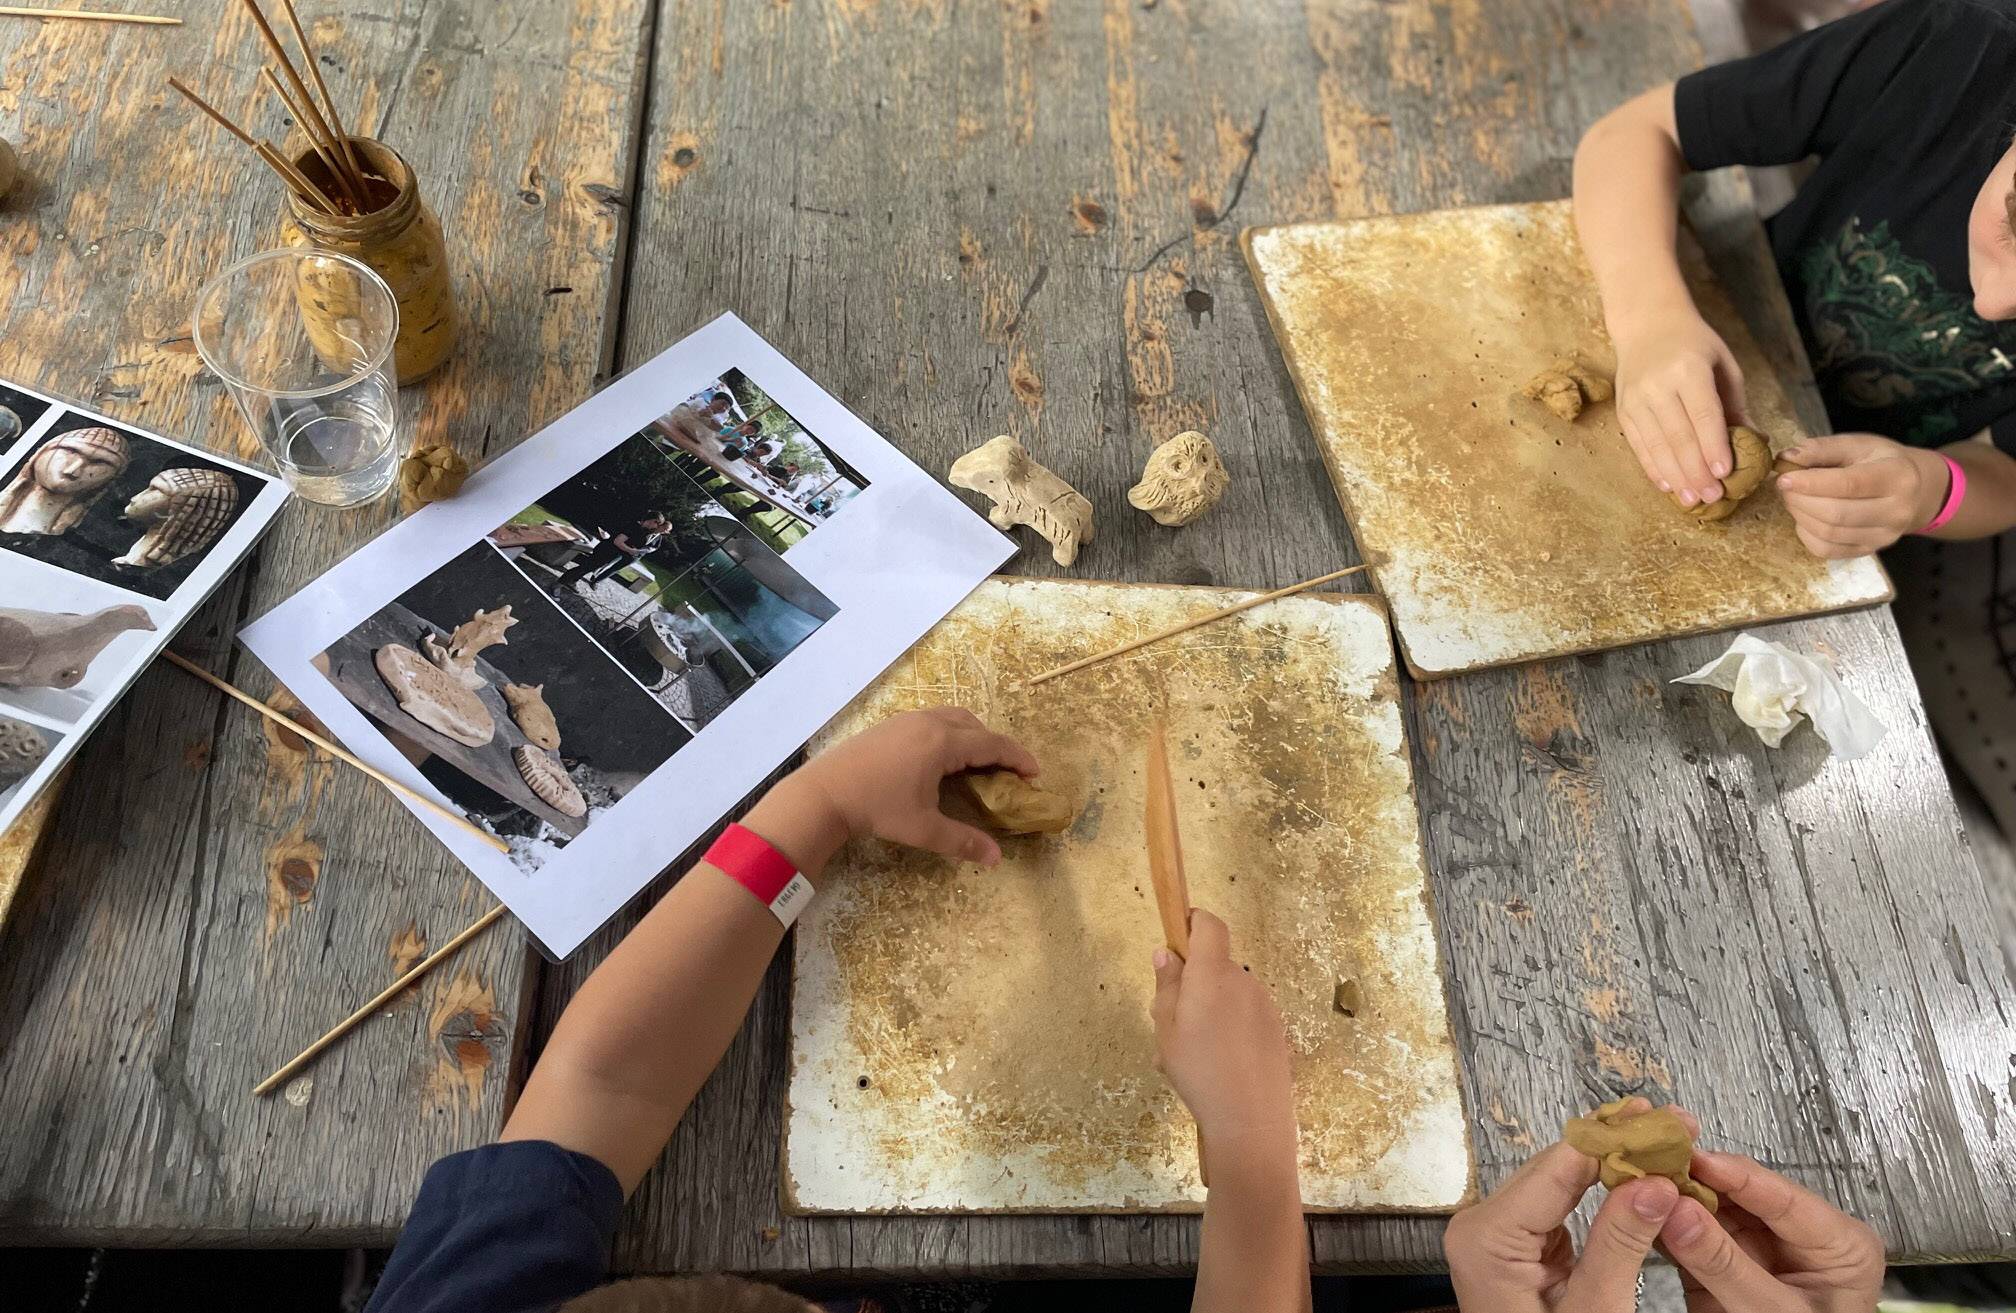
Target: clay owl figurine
x=1183, y=479
x=57, y=485
x=184, y=511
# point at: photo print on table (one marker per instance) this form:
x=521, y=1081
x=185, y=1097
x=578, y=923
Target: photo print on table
x=25, y=743
x=116, y=506
x=694, y=600
x=66, y=644
x=524, y=724
x=749, y=452
x=18, y=413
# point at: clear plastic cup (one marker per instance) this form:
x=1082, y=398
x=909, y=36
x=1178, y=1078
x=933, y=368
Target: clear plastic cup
x=303, y=338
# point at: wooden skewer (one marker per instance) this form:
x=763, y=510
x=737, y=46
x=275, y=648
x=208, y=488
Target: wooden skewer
x=391, y=991
x=336, y=751
x=330, y=160
x=310, y=118
x=328, y=101
x=23, y=11
x=274, y=160
x=1188, y=625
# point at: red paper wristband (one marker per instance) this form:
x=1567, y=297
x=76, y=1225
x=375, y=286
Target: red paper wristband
x=1955, y=491
x=748, y=859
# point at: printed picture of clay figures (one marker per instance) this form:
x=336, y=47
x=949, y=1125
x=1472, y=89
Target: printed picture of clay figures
x=64, y=643
x=695, y=601
x=18, y=413
x=504, y=703
x=24, y=745
x=111, y=505
x=757, y=460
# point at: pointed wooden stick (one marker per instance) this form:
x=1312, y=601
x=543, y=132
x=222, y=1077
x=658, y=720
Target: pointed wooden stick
x=338, y=752
x=23, y=11
x=310, y=118
x=390, y=992
x=328, y=101
x=324, y=149
x=1188, y=625
x=292, y=176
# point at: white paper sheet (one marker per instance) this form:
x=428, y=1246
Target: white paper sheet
x=878, y=567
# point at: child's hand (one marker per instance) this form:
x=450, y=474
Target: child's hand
x=1512, y=1254
x=1771, y=1247
x=1678, y=391
x=1858, y=492
x=1219, y=1039
x=884, y=782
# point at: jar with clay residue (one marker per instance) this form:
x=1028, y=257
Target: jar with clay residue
x=397, y=235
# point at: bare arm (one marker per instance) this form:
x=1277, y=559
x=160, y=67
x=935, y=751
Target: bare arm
x=650, y=1025
x=1989, y=507
x=1857, y=493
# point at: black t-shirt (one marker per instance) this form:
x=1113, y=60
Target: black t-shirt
x=640, y=538
x=1908, y=106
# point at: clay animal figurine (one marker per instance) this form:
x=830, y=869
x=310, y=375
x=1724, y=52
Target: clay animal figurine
x=1752, y=451
x=54, y=649
x=1024, y=492
x=457, y=657
x=1627, y=1147
x=433, y=697
x=1567, y=385
x=534, y=717
x=57, y=485
x=1009, y=804
x=22, y=748
x=431, y=474
x=1183, y=479
x=184, y=511
x=547, y=778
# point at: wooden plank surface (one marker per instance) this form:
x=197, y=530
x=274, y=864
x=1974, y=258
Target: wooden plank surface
x=971, y=219
x=214, y=896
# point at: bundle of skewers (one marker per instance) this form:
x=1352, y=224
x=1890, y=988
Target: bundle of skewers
x=345, y=186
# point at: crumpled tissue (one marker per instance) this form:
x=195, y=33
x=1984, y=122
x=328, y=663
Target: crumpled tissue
x=1771, y=687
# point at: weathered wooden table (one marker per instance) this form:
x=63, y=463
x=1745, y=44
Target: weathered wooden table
x=965, y=219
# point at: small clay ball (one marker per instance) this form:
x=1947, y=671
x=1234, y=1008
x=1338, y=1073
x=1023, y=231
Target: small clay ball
x=10, y=170
x=432, y=474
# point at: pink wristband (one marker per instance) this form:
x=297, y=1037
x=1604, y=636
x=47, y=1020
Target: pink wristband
x=747, y=858
x=1956, y=490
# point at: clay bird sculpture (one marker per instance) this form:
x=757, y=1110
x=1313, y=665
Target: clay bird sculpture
x=54, y=649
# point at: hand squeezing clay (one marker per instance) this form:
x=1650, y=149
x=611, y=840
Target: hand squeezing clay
x=1627, y=1147
x=1010, y=804
x=1752, y=451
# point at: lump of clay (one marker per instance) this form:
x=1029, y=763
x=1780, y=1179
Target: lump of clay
x=1024, y=492
x=434, y=698
x=1752, y=451
x=1183, y=479
x=534, y=717
x=1627, y=1147
x=1567, y=385
x=457, y=657
x=54, y=649
x=432, y=474
x=22, y=748
x=1009, y=804
x=61, y=480
x=545, y=777
x=184, y=511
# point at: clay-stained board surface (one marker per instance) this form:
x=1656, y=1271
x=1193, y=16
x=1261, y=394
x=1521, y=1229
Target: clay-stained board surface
x=978, y=1041
x=1509, y=535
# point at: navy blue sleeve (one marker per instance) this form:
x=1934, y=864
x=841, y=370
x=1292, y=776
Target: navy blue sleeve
x=507, y=1228
x=1801, y=97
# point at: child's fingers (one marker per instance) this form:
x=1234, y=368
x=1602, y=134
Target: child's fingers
x=1210, y=940
x=1847, y=482
x=1794, y=1214
x=1168, y=985
x=1716, y=1262
x=1711, y=429
x=1842, y=512
x=975, y=747
x=1826, y=548
x=1657, y=462
x=1619, y=1240
x=940, y=834
x=1677, y=432
x=1538, y=1197
x=1729, y=383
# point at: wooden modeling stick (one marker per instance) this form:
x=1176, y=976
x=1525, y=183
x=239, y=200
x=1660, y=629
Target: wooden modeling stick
x=337, y=752
x=92, y=15
x=1188, y=625
x=1165, y=870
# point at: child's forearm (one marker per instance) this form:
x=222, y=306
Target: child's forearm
x=1255, y=1253
x=640, y=1038
x=1989, y=507
x=1627, y=204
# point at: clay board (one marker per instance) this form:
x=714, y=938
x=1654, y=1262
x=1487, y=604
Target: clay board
x=1504, y=533
x=978, y=1041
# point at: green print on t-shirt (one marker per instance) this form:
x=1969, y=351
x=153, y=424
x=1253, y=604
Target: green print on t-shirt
x=1890, y=341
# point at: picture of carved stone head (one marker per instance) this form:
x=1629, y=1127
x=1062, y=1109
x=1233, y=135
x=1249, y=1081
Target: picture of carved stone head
x=116, y=506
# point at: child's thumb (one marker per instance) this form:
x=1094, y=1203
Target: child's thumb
x=1619, y=1240
x=956, y=840
x=1168, y=984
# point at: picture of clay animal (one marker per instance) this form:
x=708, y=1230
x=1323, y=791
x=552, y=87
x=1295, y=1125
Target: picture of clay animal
x=22, y=748
x=1183, y=479
x=457, y=657
x=534, y=717
x=56, y=486
x=1024, y=492
x=184, y=511
x=1752, y=451
x=54, y=649
x=545, y=777
x=433, y=697
x=1566, y=386
x=1009, y=804
x=1627, y=1147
